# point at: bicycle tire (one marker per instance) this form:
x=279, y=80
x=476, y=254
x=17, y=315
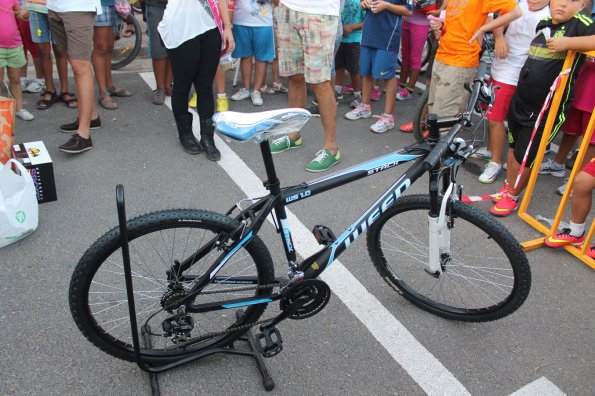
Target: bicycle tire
x=419, y=113
x=98, y=299
x=493, y=285
x=136, y=7
x=126, y=49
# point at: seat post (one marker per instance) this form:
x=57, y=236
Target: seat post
x=272, y=183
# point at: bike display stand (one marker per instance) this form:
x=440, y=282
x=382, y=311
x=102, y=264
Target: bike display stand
x=252, y=350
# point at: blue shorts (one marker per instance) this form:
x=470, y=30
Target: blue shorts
x=257, y=41
x=377, y=63
x=40, y=27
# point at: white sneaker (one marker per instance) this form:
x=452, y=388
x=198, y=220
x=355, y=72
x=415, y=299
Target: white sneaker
x=384, y=124
x=25, y=115
x=24, y=83
x=490, y=172
x=551, y=168
x=482, y=153
x=36, y=85
x=560, y=190
x=241, y=94
x=361, y=111
x=256, y=98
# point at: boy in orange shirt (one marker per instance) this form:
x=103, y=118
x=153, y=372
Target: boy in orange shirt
x=458, y=54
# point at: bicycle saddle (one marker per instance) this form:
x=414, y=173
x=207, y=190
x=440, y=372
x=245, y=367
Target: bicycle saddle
x=259, y=126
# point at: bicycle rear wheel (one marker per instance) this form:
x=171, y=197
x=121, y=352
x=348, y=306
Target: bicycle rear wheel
x=98, y=299
x=487, y=276
x=127, y=45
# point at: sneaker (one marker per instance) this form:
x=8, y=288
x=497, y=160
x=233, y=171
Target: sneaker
x=356, y=101
x=551, y=168
x=284, y=143
x=25, y=115
x=361, y=111
x=256, y=98
x=158, y=97
x=571, y=159
x=385, y=123
x=338, y=95
x=563, y=238
x=193, y=102
x=376, y=94
x=591, y=251
x=314, y=110
x=501, y=192
x=324, y=160
x=490, y=173
x=222, y=104
x=24, y=84
x=482, y=153
x=36, y=85
x=76, y=144
x=242, y=94
x=348, y=89
x=407, y=128
x=74, y=126
x=505, y=206
x=560, y=190
x=404, y=94
x=279, y=87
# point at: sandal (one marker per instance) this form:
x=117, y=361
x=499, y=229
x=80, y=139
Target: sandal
x=119, y=92
x=129, y=32
x=45, y=104
x=106, y=101
x=69, y=99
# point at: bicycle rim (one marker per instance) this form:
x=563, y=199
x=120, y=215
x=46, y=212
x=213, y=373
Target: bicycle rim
x=486, y=277
x=98, y=296
x=126, y=49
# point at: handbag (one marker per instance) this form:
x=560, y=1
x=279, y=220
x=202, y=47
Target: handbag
x=123, y=8
x=7, y=117
x=19, y=211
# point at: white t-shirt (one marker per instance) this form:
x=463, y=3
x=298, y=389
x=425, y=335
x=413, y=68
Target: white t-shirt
x=252, y=13
x=319, y=7
x=74, y=5
x=184, y=20
x=519, y=35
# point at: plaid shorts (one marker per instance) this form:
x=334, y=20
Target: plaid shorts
x=306, y=44
x=108, y=17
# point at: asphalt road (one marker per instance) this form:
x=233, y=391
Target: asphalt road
x=546, y=347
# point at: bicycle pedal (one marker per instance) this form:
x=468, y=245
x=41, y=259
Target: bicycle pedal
x=323, y=235
x=273, y=343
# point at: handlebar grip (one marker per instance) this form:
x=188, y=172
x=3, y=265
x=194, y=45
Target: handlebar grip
x=432, y=159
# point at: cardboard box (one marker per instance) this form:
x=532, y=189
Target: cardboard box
x=36, y=159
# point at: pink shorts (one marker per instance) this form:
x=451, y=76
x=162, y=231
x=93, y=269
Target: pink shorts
x=413, y=39
x=576, y=123
x=503, y=96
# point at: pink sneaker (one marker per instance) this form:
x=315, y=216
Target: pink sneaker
x=376, y=94
x=348, y=89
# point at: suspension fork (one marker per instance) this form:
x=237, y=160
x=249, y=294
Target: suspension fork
x=438, y=222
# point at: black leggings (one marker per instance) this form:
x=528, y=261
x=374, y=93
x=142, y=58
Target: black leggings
x=195, y=62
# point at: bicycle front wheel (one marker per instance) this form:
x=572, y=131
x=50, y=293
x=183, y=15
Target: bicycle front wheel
x=128, y=42
x=157, y=241
x=419, y=115
x=485, y=277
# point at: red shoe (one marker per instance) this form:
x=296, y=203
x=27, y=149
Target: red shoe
x=591, y=251
x=407, y=128
x=505, y=206
x=502, y=191
x=564, y=238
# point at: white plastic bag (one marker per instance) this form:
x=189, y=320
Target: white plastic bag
x=18, y=203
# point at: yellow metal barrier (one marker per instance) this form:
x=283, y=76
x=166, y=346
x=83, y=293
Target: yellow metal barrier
x=579, y=252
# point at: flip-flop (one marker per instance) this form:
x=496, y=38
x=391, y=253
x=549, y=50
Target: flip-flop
x=119, y=92
x=106, y=101
x=45, y=104
x=72, y=102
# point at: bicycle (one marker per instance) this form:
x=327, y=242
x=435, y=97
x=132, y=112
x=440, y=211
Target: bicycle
x=193, y=268
x=127, y=46
x=421, y=109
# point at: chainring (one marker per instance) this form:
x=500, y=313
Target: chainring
x=319, y=294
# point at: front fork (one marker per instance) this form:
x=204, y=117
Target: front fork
x=439, y=225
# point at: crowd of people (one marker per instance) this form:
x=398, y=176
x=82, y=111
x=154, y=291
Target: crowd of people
x=312, y=43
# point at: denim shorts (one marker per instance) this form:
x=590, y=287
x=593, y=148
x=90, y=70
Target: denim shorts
x=40, y=27
x=257, y=41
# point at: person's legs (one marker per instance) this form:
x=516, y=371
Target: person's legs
x=246, y=71
x=14, y=82
x=158, y=54
x=85, y=91
x=102, y=38
x=328, y=113
x=582, y=197
x=297, y=96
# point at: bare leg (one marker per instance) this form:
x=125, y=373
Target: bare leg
x=328, y=113
x=512, y=170
x=246, y=71
x=45, y=60
x=101, y=44
x=582, y=197
x=85, y=91
x=566, y=145
x=220, y=80
x=414, y=75
x=260, y=73
x=404, y=76
x=275, y=68
x=497, y=140
x=356, y=82
x=62, y=66
x=160, y=70
x=391, y=95
x=367, y=86
x=297, y=96
x=340, y=76
x=14, y=79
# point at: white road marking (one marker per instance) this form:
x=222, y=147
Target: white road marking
x=541, y=386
